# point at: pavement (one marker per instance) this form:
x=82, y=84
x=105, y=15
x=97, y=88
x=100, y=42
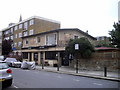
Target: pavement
x=113, y=76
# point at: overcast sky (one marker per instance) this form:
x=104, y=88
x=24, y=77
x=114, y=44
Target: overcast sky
x=96, y=16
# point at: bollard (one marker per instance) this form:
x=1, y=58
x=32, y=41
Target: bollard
x=105, y=71
x=76, y=65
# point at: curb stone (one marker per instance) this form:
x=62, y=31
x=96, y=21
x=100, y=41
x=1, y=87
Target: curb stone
x=83, y=75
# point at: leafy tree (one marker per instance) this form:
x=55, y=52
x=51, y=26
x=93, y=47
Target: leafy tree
x=85, y=47
x=6, y=47
x=115, y=35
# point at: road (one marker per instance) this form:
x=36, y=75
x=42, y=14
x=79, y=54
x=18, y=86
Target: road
x=43, y=79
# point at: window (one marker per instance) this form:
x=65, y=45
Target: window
x=38, y=40
x=16, y=28
x=25, y=55
x=98, y=38
x=11, y=37
x=26, y=41
x=75, y=37
x=20, y=26
x=11, y=30
x=26, y=25
x=0, y=40
x=50, y=55
x=15, y=35
x=31, y=22
x=19, y=44
x=15, y=44
x=51, y=39
x=20, y=35
x=102, y=38
x=31, y=32
x=25, y=33
x=0, y=33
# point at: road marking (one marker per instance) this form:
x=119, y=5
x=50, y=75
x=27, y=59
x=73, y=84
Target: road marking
x=97, y=84
x=15, y=86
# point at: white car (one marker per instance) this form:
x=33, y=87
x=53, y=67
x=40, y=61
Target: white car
x=13, y=62
x=6, y=77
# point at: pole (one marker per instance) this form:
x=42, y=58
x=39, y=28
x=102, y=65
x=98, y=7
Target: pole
x=58, y=65
x=76, y=65
x=42, y=64
x=105, y=71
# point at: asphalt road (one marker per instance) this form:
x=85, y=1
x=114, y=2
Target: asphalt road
x=43, y=79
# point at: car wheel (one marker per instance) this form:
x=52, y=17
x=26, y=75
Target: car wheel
x=9, y=83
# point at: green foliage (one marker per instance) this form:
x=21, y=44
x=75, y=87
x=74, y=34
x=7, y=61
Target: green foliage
x=85, y=47
x=115, y=35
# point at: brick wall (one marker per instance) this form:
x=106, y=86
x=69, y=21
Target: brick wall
x=100, y=59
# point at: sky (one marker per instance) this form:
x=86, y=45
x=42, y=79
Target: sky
x=96, y=16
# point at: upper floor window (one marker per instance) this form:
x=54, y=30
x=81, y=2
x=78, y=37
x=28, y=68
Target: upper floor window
x=0, y=40
x=102, y=38
x=38, y=39
x=11, y=37
x=19, y=44
x=75, y=37
x=25, y=33
x=26, y=25
x=0, y=33
x=51, y=39
x=31, y=22
x=15, y=44
x=15, y=35
x=16, y=27
x=11, y=30
x=20, y=35
x=26, y=41
x=31, y=32
x=20, y=26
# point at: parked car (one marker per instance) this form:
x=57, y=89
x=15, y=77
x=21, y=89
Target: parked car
x=2, y=58
x=13, y=62
x=6, y=77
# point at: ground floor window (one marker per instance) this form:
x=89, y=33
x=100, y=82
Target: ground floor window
x=25, y=55
x=50, y=55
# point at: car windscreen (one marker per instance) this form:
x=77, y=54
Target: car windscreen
x=3, y=66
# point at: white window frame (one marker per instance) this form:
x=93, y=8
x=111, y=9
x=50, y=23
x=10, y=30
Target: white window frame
x=26, y=42
x=20, y=35
x=25, y=33
x=11, y=37
x=51, y=39
x=15, y=44
x=31, y=32
x=15, y=35
x=16, y=27
x=20, y=26
x=26, y=25
x=11, y=30
x=31, y=22
x=19, y=44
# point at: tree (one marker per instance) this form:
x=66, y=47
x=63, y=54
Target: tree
x=115, y=35
x=6, y=47
x=85, y=47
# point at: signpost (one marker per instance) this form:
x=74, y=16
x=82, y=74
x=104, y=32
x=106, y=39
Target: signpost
x=76, y=49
